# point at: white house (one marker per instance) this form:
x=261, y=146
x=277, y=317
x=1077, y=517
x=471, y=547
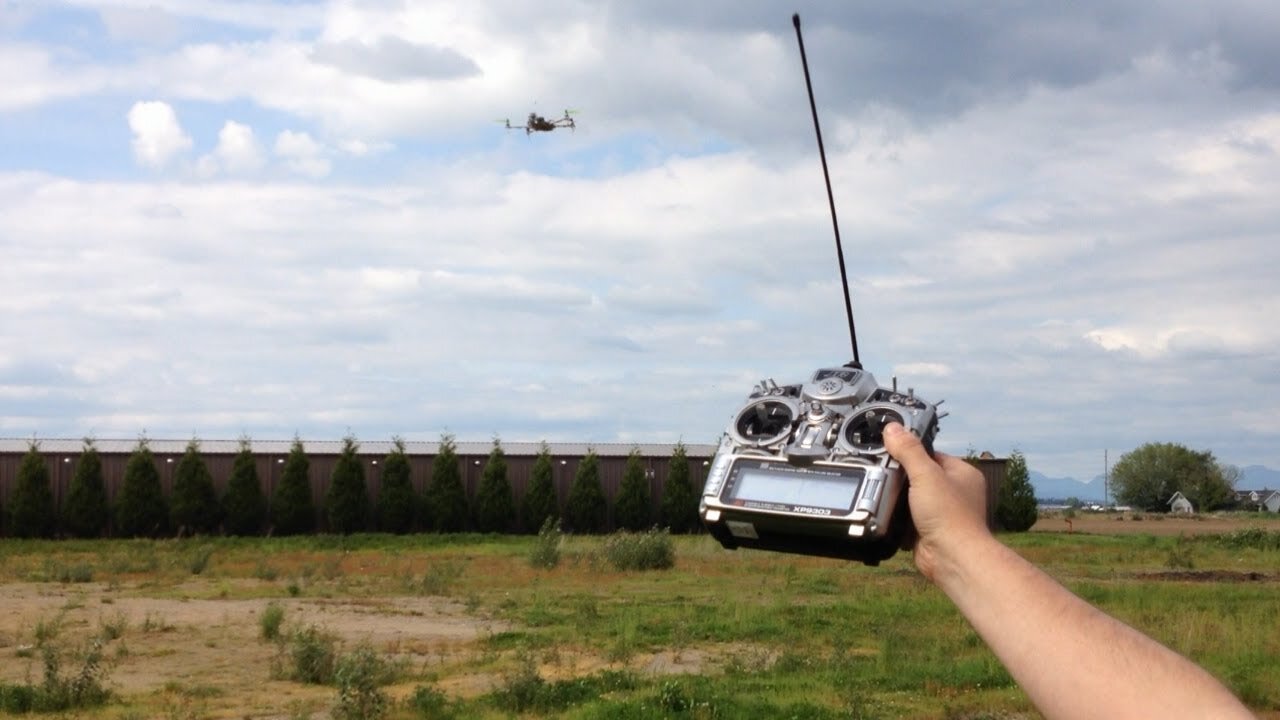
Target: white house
x=1180, y=504
x=1272, y=502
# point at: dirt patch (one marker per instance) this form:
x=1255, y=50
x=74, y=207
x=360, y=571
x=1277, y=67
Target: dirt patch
x=1215, y=576
x=1149, y=524
x=212, y=647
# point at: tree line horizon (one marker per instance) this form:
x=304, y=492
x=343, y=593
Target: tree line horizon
x=194, y=507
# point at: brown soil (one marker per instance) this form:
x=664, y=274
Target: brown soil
x=198, y=655
x=1126, y=524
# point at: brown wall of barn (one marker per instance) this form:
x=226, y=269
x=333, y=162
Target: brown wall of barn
x=270, y=466
x=519, y=468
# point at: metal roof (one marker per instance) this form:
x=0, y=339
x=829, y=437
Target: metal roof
x=334, y=447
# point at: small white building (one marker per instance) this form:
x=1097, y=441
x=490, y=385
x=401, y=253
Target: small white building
x=1272, y=502
x=1180, y=504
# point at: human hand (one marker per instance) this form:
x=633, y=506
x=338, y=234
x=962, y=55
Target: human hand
x=948, y=500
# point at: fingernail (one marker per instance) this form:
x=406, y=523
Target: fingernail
x=893, y=428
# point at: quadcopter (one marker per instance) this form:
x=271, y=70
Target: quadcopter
x=537, y=123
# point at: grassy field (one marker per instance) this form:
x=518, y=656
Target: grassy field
x=466, y=626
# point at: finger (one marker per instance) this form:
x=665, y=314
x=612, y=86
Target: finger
x=907, y=449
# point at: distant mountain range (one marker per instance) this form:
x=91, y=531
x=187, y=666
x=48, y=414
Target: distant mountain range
x=1252, y=477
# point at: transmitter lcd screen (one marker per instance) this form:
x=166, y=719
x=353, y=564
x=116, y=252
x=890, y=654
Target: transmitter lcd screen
x=834, y=489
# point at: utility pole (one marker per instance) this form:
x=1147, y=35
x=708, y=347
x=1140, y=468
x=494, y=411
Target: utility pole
x=1106, y=480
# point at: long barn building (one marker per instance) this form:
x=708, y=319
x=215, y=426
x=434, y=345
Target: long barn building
x=60, y=457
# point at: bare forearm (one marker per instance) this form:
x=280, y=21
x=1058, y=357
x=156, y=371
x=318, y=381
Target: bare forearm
x=1073, y=660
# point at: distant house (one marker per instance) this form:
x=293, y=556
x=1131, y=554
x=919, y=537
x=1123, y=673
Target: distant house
x=1263, y=500
x=1180, y=504
x=1272, y=502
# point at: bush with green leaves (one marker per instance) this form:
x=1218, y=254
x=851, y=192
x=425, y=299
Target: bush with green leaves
x=495, y=509
x=193, y=503
x=141, y=508
x=292, y=508
x=347, y=504
x=446, y=495
x=540, y=503
x=60, y=693
x=312, y=654
x=86, y=510
x=545, y=553
x=649, y=550
x=244, y=505
x=430, y=703
x=632, y=509
x=359, y=676
x=585, y=509
x=31, y=509
x=270, y=621
x=679, y=503
x=397, y=502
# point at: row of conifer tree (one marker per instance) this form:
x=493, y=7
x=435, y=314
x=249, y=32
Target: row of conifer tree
x=193, y=507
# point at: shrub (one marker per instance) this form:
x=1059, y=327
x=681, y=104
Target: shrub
x=141, y=509
x=546, y=550
x=679, y=503
x=347, y=504
x=397, y=504
x=359, y=676
x=446, y=496
x=244, y=503
x=312, y=655
x=86, y=510
x=31, y=510
x=632, y=510
x=292, y=510
x=494, y=507
x=585, y=509
x=193, y=504
x=650, y=550
x=429, y=703
x=540, y=504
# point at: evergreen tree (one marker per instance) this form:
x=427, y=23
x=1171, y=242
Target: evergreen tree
x=292, y=509
x=585, y=509
x=397, y=502
x=244, y=505
x=141, y=508
x=539, y=503
x=193, y=503
x=679, y=503
x=494, y=506
x=446, y=495
x=86, y=510
x=632, y=509
x=347, y=504
x=1016, y=506
x=31, y=510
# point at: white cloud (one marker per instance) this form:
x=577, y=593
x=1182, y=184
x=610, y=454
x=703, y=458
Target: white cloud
x=302, y=154
x=157, y=136
x=237, y=152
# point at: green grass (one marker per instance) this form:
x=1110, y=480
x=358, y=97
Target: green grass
x=763, y=635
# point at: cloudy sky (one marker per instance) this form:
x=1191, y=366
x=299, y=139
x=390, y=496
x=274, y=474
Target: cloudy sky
x=223, y=218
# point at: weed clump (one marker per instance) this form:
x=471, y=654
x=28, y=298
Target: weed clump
x=360, y=676
x=430, y=703
x=58, y=692
x=546, y=550
x=649, y=550
x=312, y=654
x=270, y=620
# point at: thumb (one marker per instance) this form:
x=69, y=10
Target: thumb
x=907, y=449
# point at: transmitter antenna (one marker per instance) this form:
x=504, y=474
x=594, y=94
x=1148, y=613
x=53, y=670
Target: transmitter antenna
x=844, y=278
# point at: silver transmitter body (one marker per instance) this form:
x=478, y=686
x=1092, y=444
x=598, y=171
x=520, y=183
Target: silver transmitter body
x=803, y=468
